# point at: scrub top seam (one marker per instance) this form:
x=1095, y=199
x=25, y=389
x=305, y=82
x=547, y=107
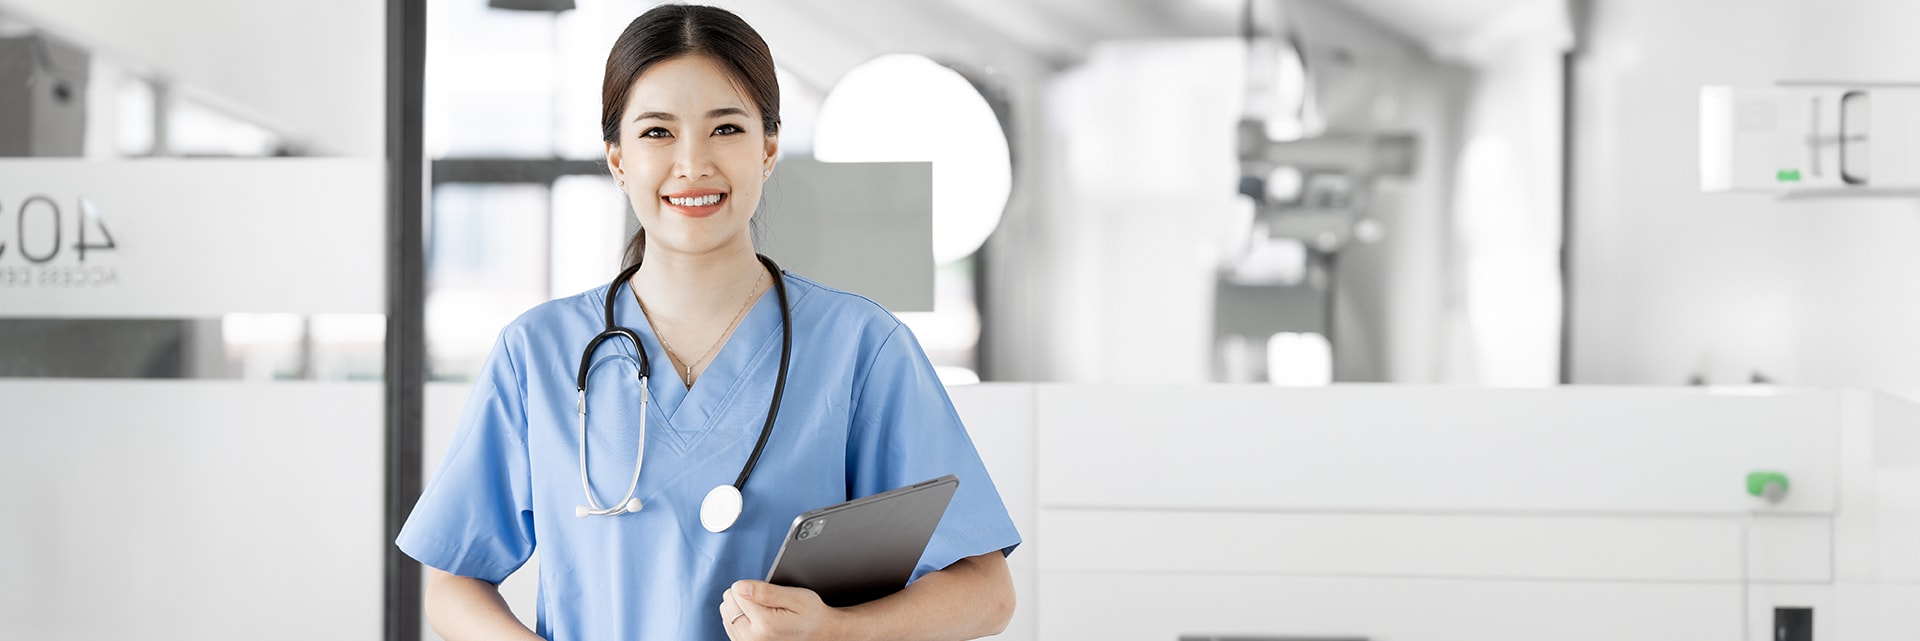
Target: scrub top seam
x=681, y=442
x=519, y=431
x=817, y=285
x=962, y=542
x=860, y=391
x=766, y=347
x=450, y=556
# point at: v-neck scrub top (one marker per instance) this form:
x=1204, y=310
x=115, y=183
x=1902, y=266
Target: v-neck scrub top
x=863, y=413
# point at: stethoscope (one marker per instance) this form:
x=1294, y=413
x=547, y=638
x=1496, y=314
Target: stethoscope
x=722, y=506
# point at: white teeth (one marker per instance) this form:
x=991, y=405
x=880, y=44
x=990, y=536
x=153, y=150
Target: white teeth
x=696, y=201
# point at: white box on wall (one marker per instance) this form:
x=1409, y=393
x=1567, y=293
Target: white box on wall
x=1811, y=139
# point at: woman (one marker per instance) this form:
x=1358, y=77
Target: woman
x=690, y=116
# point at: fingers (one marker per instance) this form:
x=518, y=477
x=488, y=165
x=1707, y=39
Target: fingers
x=752, y=597
x=730, y=612
x=765, y=607
x=781, y=612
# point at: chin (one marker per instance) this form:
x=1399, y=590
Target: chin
x=693, y=236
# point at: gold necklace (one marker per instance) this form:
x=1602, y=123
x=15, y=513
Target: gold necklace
x=716, y=342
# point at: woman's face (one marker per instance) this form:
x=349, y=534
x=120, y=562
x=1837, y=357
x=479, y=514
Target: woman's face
x=693, y=154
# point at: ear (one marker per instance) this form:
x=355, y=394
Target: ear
x=773, y=152
x=613, y=160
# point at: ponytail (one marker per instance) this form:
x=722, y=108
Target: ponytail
x=636, y=249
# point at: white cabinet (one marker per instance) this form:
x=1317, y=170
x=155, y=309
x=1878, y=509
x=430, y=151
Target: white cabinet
x=1429, y=513
x=1433, y=449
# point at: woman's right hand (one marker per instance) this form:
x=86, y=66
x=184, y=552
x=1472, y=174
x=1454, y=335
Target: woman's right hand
x=761, y=611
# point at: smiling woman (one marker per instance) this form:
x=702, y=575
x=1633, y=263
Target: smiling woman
x=690, y=157
x=690, y=125
x=710, y=57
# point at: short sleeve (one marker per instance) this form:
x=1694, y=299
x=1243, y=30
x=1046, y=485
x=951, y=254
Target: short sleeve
x=905, y=431
x=476, y=518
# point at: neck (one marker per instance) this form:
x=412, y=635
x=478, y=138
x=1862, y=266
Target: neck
x=695, y=287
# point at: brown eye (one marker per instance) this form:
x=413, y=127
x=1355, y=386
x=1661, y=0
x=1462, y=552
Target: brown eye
x=656, y=132
x=727, y=130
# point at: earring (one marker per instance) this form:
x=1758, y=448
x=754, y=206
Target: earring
x=623, y=183
x=767, y=174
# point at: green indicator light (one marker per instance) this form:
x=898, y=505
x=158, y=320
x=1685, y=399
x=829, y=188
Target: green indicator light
x=1787, y=175
x=1767, y=484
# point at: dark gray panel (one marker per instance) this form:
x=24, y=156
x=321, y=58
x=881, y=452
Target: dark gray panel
x=406, y=344
x=1259, y=311
x=97, y=348
x=180, y=348
x=866, y=228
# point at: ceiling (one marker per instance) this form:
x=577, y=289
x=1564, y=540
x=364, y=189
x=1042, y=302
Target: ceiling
x=818, y=39
x=1439, y=23
x=822, y=38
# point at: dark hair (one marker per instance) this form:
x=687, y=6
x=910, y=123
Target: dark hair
x=672, y=30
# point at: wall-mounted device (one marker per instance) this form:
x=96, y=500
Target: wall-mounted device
x=1811, y=139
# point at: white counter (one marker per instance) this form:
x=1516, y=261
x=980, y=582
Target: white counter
x=1417, y=513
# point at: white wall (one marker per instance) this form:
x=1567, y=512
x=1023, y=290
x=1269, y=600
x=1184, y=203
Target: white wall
x=313, y=70
x=1506, y=215
x=1669, y=282
x=196, y=509
x=164, y=510
x=1143, y=135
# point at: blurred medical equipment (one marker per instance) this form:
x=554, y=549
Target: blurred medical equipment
x=1310, y=146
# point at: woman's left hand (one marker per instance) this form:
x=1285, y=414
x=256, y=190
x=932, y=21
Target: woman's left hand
x=773, y=612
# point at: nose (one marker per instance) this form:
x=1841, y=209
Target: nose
x=691, y=160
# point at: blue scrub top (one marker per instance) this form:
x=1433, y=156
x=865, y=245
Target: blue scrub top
x=863, y=413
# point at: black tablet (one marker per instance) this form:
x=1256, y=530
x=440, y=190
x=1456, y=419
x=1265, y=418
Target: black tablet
x=865, y=548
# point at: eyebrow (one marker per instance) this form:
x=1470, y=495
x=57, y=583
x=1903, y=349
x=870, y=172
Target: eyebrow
x=717, y=113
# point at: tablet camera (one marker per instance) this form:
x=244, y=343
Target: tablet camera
x=811, y=529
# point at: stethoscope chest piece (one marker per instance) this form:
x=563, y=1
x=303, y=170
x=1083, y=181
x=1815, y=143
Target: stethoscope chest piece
x=721, y=508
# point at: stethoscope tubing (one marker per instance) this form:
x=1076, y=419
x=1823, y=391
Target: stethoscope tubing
x=611, y=331
x=780, y=381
